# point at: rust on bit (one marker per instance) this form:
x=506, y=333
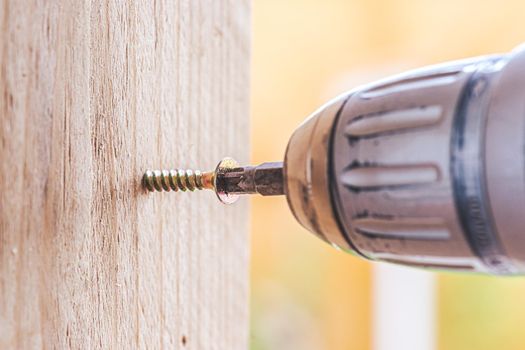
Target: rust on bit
x=265, y=179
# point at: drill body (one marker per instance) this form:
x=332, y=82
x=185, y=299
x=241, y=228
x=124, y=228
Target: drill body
x=424, y=169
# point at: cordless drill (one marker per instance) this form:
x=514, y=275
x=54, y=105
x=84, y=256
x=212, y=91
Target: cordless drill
x=426, y=168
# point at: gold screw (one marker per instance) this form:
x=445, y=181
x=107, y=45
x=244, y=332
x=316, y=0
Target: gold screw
x=191, y=180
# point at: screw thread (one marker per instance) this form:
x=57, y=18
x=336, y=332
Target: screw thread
x=177, y=180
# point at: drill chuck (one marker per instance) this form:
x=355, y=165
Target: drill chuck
x=424, y=169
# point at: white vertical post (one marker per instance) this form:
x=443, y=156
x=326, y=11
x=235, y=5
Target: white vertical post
x=403, y=308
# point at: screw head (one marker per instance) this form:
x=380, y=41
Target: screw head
x=224, y=167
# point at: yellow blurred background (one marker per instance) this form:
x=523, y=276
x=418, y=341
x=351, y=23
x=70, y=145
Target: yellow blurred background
x=305, y=294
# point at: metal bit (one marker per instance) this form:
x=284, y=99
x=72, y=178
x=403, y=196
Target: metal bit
x=229, y=180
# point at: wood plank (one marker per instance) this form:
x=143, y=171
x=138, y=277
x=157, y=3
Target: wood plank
x=91, y=94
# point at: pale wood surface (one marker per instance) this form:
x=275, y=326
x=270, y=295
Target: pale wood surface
x=91, y=94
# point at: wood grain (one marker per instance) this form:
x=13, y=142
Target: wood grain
x=92, y=93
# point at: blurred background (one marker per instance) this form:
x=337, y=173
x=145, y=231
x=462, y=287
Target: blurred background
x=305, y=294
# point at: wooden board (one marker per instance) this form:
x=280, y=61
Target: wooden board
x=92, y=93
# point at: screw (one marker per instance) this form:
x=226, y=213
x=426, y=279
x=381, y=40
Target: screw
x=191, y=180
